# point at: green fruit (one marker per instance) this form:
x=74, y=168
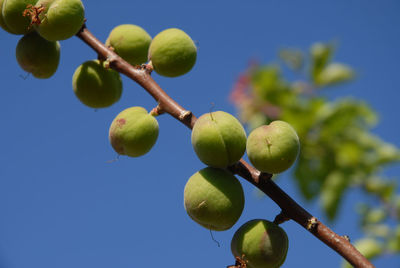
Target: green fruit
x=96, y=86
x=37, y=55
x=261, y=243
x=172, y=53
x=130, y=42
x=214, y=198
x=133, y=132
x=273, y=148
x=13, y=18
x=218, y=139
x=2, y=23
x=60, y=19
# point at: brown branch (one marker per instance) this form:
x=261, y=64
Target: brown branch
x=263, y=181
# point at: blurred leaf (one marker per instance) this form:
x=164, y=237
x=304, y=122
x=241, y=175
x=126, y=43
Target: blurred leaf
x=332, y=74
x=270, y=86
x=320, y=56
x=394, y=241
x=293, y=58
x=332, y=193
x=380, y=187
x=375, y=216
x=257, y=120
x=369, y=247
x=378, y=230
x=338, y=149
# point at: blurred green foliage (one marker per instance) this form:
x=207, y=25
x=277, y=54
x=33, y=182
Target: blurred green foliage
x=339, y=153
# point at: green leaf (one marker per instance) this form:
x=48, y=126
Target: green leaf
x=332, y=193
x=375, y=216
x=269, y=85
x=369, y=247
x=321, y=54
x=293, y=58
x=332, y=74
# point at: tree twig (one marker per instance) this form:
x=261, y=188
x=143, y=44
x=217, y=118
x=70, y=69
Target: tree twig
x=263, y=181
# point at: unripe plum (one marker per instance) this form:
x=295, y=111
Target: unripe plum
x=172, y=53
x=273, y=148
x=38, y=56
x=130, y=42
x=13, y=18
x=2, y=23
x=60, y=19
x=261, y=243
x=218, y=139
x=214, y=198
x=133, y=132
x=96, y=86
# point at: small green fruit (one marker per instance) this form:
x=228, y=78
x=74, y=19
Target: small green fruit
x=2, y=22
x=218, y=139
x=13, y=18
x=96, y=86
x=130, y=42
x=172, y=53
x=60, y=19
x=214, y=198
x=273, y=148
x=37, y=55
x=262, y=244
x=133, y=132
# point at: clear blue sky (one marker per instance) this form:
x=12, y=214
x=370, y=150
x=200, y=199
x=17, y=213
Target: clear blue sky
x=62, y=205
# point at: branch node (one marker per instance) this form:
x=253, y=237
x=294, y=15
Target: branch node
x=281, y=218
x=184, y=115
x=312, y=224
x=156, y=111
x=148, y=68
x=346, y=237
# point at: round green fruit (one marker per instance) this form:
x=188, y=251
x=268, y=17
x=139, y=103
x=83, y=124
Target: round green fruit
x=261, y=244
x=60, y=19
x=13, y=16
x=214, y=198
x=172, y=53
x=273, y=148
x=218, y=139
x=133, y=132
x=37, y=55
x=130, y=42
x=95, y=85
x=2, y=22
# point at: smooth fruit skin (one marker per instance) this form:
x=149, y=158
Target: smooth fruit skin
x=38, y=56
x=172, y=53
x=96, y=86
x=130, y=42
x=61, y=19
x=2, y=22
x=12, y=16
x=262, y=244
x=133, y=132
x=273, y=148
x=214, y=198
x=218, y=139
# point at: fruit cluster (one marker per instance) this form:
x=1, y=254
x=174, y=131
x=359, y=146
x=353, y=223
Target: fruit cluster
x=171, y=53
x=43, y=23
x=213, y=196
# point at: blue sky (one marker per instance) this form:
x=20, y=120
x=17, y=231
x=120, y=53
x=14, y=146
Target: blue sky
x=63, y=205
